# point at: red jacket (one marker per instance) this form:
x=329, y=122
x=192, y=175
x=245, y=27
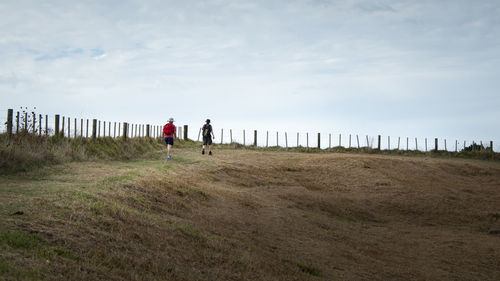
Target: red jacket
x=169, y=130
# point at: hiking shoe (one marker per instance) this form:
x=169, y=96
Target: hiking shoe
x=203, y=151
x=210, y=153
x=169, y=157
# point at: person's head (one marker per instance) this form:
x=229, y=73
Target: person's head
x=170, y=120
x=208, y=121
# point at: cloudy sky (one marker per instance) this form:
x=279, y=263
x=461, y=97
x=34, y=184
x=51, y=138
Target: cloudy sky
x=402, y=68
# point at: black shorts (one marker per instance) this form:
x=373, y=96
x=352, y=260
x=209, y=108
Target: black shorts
x=169, y=140
x=207, y=140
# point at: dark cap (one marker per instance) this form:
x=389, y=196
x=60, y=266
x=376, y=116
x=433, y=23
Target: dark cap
x=208, y=121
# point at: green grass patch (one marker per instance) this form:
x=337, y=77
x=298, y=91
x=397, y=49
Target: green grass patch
x=494, y=216
x=19, y=239
x=5, y=267
x=191, y=231
x=309, y=269
x=13, y=273
x=30, y=242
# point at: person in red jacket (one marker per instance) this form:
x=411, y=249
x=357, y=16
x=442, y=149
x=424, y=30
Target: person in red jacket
x=169, y=135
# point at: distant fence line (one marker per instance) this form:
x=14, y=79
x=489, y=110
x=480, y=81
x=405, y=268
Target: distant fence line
x=327, y=141
x=93, y=128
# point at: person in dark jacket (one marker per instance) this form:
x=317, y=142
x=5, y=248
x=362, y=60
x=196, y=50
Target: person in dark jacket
x=208, y=134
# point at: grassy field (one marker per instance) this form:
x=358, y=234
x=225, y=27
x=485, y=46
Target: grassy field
x=253, y=215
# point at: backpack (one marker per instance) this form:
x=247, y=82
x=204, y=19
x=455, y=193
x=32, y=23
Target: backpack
x=207, y=129
x=168, y=129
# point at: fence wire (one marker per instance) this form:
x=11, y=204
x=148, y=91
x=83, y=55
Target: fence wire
x=44, y=124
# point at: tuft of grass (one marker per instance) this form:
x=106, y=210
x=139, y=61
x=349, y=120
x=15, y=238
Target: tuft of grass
x=494, y=216
x=309, y=269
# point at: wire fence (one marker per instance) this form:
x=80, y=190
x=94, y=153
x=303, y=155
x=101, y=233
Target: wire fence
x=72, y=127
x=49, y=125
x=333, y=140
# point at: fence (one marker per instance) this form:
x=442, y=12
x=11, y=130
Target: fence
x=331, y=140
x=71, y=127
x=31, y=122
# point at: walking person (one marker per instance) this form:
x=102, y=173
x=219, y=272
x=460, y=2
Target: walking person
x=169, y=134
x=208, y=134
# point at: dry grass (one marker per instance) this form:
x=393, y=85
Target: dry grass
x=254, y=215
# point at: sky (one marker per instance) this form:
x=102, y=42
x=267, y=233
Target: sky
x=396, y=68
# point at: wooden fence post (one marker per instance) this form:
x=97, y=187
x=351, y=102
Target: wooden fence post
x=10, y=114
x=425, y=144
x=436, y=144
x=416, y=144
x=186, y=132
x=307, y=140
x=39, y=124
x=199, y=133
x=445, y=146
x=368, y=142
x=357, y=138
x=87, y=129
x=26, y=121
x=46, y=125
x=319, y=140
x=119, y=127
x=407, y=143
x=56, y=125
x=104, y=128
x=74, y=134
x=340, y=140
x=109, y=129
x=221, y=135
x=286, y=140
x=388, y=142
x=277, y=140
x=329, y=140
x=114, y=130
x=17, y=123
x=399, y=142
x=81, y=127
x=267, y=138
x=33, y=122
x=62, y=126
x=125, y=129
x=349, y=140
x=491, y=146
x=243, y=137
x=297, y=139
x=94, y=129
x=147, y=130
x=231, y=135
x=255, y=138
x=379, y=141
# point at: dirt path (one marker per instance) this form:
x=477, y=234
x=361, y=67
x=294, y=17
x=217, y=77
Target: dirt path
x=249, y=215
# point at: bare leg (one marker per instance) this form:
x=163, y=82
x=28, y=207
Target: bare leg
x=169, y=148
